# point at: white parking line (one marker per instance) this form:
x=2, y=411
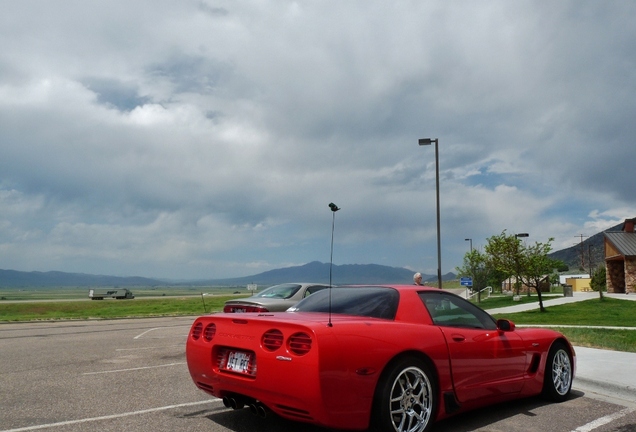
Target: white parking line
x=604, y=420
x=150, y=348
x=108, y=417
x=132, y=369
x=147, y=331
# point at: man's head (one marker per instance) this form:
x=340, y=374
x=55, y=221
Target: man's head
x=417, y=278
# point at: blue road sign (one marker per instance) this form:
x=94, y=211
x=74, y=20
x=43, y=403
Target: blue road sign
x=466, y=281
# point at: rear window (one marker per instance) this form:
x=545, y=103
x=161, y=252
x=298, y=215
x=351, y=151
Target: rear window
x=373, y=302
x=283, y=291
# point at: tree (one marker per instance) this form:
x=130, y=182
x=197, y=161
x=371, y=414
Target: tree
x=504, y=255
x=537, y=267
x=599, y=281
x=496, y=278
x=529, y=264
x=476, y=267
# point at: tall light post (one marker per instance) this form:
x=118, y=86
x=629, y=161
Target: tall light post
x=471, y=244
x=334, y=208
x=429, y=141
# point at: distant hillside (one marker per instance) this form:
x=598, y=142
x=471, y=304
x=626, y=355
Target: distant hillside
x=341, y=275
x=312, y=272
x=577, y=257
x=13, y=278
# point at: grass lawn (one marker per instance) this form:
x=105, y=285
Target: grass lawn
x=614, y=340
x=187, y=301
x=497, y=301
x=110, y=308
x=609, y=312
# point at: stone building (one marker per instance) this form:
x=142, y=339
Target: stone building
x=620, y=259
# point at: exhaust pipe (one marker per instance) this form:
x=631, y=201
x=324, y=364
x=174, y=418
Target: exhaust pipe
x=252, y=408
x=258, y=410
x=261, y=411
x=233, y=403
x=226, y=401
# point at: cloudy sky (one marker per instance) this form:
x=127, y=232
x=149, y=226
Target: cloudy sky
x=205, y=139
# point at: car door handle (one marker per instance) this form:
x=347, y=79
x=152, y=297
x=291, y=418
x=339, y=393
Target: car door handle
x=458, y=338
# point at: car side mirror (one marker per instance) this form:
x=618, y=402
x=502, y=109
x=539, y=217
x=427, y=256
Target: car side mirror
x=505, y=325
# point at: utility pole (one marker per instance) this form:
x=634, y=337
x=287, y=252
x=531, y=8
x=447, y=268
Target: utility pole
x=582, y=252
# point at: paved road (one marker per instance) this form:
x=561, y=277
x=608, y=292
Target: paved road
x=130, y=375
x=74, y=299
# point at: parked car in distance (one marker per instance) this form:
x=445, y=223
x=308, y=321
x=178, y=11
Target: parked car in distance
x=389, y=358
x=277, y=298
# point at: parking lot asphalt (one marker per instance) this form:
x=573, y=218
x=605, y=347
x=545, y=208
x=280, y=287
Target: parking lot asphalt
x=131, y=374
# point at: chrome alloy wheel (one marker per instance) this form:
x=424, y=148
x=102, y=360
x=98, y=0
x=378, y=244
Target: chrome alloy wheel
x=561, y=372
x=411, y=401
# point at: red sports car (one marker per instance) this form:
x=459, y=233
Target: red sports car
x=387, y=358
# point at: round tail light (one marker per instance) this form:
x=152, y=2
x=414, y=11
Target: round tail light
x=299, y=343
x=272, y=340
x=210, y=331
x=196, y=331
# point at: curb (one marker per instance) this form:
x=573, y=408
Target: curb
x=624, y=392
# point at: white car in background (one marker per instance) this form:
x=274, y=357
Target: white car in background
x=277, y=298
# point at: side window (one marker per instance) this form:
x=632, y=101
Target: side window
x=452, y=311
x=312, y=289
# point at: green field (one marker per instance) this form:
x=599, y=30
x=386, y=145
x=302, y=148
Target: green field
x=110, y=308
x=28, y=304
x=72, y=303
x=609, y=312
x=70, y=293
x=497, y=301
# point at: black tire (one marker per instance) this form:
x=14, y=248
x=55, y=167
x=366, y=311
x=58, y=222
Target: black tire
x=406, y=398
x=557, y=381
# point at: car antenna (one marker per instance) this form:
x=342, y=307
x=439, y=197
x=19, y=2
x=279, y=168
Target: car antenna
x=334, y=208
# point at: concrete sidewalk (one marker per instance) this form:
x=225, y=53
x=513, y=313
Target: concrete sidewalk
x=611, y=374
x=608, y=373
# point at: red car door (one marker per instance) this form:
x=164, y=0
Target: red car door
x=484, y=361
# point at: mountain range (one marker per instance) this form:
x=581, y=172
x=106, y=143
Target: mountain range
x=587, y=252
x=317, y=272
x=577, y=257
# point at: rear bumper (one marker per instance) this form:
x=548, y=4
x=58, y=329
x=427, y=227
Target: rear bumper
x=291, y=390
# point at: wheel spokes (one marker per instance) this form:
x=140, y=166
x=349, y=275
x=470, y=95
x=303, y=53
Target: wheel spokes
x=411, y=401
x=561, y=372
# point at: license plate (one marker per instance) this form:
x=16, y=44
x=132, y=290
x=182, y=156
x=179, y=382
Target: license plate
x=239, y=310
x=238, y=362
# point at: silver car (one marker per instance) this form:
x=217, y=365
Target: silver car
x=277, y=298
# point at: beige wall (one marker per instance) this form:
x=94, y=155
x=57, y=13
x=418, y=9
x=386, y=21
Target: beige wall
x=579, y=284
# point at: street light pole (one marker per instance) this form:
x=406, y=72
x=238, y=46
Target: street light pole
x=471, y=244
x=429, y=141
x=334, y=208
